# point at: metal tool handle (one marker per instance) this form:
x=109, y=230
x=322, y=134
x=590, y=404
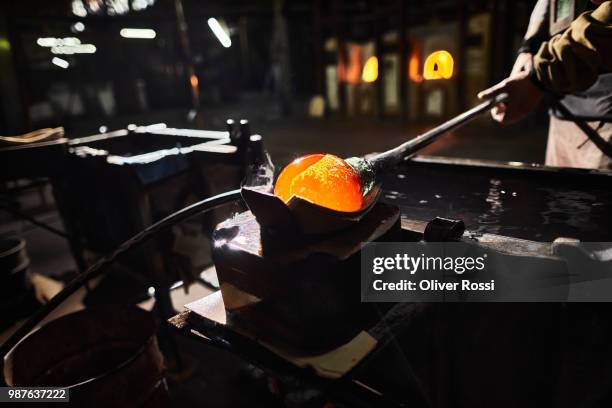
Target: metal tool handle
x=392, y=157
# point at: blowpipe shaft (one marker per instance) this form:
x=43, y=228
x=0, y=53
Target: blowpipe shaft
x=392, y=157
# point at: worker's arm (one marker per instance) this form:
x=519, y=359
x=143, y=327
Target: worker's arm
x=538, y=28
x=569, y=62
x=537, y=33
x=572, y=60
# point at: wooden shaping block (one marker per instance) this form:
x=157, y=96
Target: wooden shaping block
x=306, y=296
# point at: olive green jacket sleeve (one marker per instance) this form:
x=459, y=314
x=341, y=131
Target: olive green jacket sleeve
x=572, y=60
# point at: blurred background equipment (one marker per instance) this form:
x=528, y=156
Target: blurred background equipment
x=119, y=61
x=109, y=346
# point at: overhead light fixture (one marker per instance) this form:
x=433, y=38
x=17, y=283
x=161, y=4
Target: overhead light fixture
x=219, y=32
x=78, y=8
x=74, y=49
x=46, y=42
x=117, y=7
x=143, y=33
x=58, y=42
x=62, y=63
x=81, y=8
x=77, y=27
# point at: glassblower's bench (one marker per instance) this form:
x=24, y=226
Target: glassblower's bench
x=429, y=354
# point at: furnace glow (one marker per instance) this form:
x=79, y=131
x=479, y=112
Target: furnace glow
x=438, y=65
x=322, y=179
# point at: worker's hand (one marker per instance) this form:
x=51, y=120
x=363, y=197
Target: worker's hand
x=524, y=62
x=524, y=97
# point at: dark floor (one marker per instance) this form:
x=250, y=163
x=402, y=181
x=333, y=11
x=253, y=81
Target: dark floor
x=217, y=375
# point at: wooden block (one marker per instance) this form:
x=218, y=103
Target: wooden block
x=307, y=295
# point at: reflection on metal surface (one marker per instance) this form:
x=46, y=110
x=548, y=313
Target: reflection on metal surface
x=140, y=33
x=57, y=42
x=516, y=163
x=536, y=203
x=208, y=134
x=496, y=208
x=77, y=27
x=214, y=146
x=569, y=206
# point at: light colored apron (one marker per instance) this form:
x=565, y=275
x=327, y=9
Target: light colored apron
x=568, y=146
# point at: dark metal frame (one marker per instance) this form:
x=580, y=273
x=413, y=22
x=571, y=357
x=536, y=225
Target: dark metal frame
x=346, y=389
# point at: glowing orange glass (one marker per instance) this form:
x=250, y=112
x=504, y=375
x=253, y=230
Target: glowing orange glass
x=323, y=179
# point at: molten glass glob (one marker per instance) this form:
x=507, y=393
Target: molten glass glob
x=322, y=179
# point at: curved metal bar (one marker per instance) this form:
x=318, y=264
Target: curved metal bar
x=97, y=268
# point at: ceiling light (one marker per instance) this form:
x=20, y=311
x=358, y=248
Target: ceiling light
x=144, y=33
x=78, y=27
x=62, y=63
x=57, y=42
x=74, y=49
x=219, y=32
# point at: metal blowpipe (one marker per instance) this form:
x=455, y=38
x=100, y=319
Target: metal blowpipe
x=392, y=157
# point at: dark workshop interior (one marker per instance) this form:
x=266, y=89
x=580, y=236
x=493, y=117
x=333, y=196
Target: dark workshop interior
x=147, y=259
